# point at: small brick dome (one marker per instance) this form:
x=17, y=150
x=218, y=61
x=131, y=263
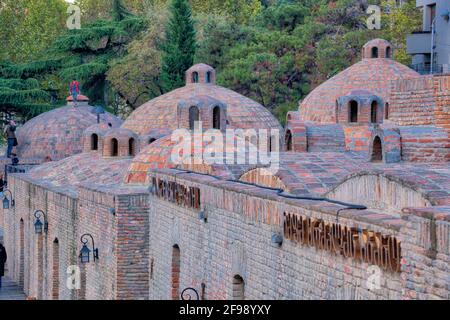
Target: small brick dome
x=373, y=75
x=161, y=112
x=58, y=133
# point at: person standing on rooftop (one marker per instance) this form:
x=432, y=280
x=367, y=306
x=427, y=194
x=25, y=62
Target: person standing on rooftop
x=74, y=90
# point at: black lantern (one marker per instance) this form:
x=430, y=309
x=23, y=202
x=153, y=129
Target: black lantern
x=85, y=252
x=6, y=202
x=38, y=225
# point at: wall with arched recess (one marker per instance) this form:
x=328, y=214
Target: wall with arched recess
x=379, y=192
x=263, y=177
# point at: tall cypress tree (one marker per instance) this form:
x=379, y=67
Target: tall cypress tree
x=179, y=47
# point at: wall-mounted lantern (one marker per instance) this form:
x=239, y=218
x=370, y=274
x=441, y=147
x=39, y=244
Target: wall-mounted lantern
x=85, y=252
x=446, y=15
x=6, y=202
x=38, y=225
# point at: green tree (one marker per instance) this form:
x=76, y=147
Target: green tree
x=179, y=46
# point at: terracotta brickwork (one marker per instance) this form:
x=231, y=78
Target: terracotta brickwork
x=238, y=220
x=425, y=144
x=375, y=135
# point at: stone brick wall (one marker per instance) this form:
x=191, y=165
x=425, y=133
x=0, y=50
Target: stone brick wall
x=427, y=234
x=442, y=94
x=235, y=241
x=378, y=192
x=325, y=138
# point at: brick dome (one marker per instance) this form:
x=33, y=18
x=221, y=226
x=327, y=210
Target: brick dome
x=58, y=133
x=161, y=112
x=371, y=74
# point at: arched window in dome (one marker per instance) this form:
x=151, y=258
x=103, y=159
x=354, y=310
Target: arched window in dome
x=388, y=52
x=208, y=77
x=238, y=288
x=377, y=150
x=114, y=147
x=194, y=77
x=288, y=140
x=94, y=142
x=375, y=52
x=176, y=264
x=353, y=111
x=216, y=118
x=386, y=111
x=373, y=112
x=194, y=116
x=131, y=147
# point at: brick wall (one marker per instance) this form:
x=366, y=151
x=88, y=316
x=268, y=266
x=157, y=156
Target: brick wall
x=424, y=144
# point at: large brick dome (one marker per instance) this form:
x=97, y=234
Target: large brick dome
x=161, y=112
x=58, y=133
x=373, y=73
